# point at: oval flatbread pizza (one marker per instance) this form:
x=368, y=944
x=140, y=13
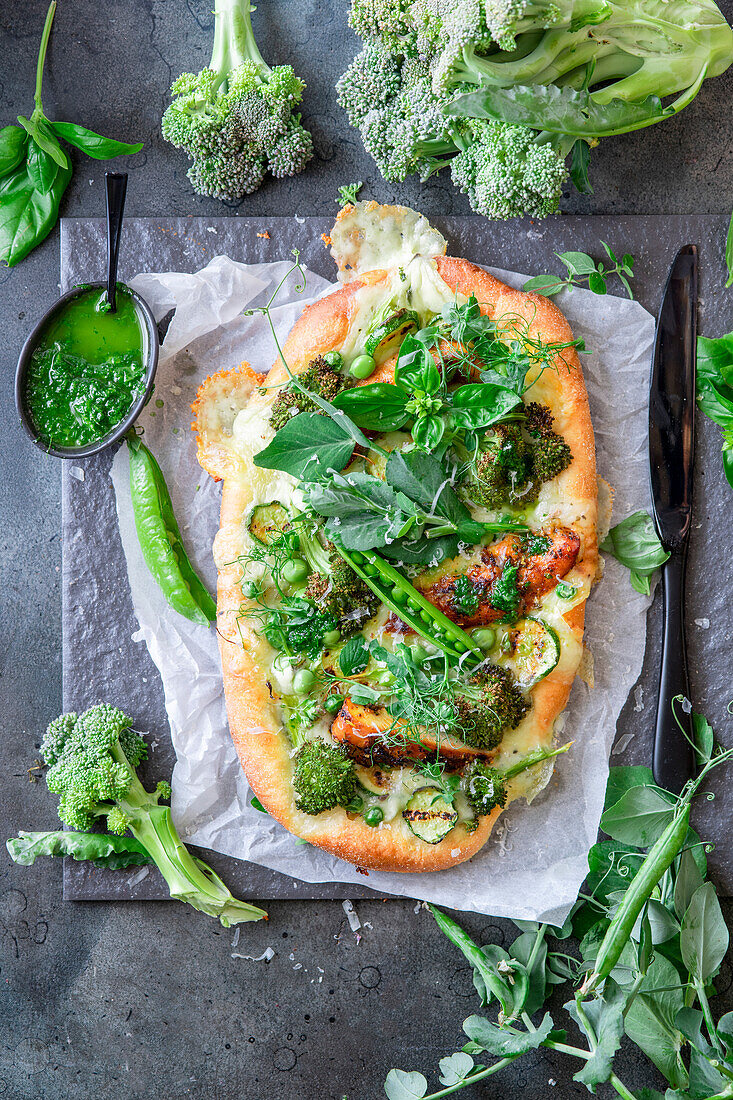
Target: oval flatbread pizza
x=407, y=542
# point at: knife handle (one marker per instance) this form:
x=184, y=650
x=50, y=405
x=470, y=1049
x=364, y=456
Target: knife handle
x=673, y=754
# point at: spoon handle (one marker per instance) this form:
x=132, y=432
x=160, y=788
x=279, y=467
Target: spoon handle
x=116, y=183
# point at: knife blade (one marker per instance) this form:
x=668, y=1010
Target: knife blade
x=671, y=443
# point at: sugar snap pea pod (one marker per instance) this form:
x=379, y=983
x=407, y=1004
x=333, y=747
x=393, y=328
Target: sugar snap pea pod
x=160, y=538
x=396, y=592
x=658, y=859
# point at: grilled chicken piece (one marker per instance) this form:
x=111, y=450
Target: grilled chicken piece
x=537, y=574
x=361, y=730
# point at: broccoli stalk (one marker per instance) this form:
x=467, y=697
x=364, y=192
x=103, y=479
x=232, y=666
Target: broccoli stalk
x=235, y=118
x=92, y=759
x=486, y=787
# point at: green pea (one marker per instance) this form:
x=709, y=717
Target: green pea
x=426, y=616
x=294, y=571
x=357, y=557
x=356, y=804
x=334, y=359
x=332, y=638
x=370, y=569
x=362, y=366
x=303, y=681
x=398, y=594
x=333, y=703
x=374, y=817
x=461, y=647
x=419, y=654
x=485, y=638
x=250, y=590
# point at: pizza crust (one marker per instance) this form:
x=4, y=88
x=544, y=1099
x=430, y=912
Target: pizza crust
x=256, y=729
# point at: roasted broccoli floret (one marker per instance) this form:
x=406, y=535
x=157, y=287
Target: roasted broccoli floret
x=334, y=587
x=235, y=118
x=324, y=777
x=484, y=787
x=550, y=453
x=503, y=468
x=92, y=759
x=487, y=705
x=321, y=378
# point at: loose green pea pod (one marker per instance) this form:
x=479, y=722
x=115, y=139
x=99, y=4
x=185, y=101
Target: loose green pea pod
x=160, y=538
x=415, y=610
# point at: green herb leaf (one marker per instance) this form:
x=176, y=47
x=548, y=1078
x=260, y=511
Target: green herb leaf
x=635, y=544
x=729, y=253
x=455, y=1068
x=650, y=1020
x=423, y=479
x=578, y=263
x=27, y=215
x=639, y=817
x=42, y=169
x=94, y=145
x=13, y=141
x=597, y=283
x=380, y=407
x=704, y=936
x=545, y=284
x=416, y=369
x=354, y=657
x=557, y=110
x=704, y=737
x=101, y=849
x=688, y=880
x=505, y=1041
x=622, y=779
x=404, y=1085
x=579, y=165
x=39, y=130
x=531, y=946
x=307, y=447
x=481, y=404
x=606, y=1019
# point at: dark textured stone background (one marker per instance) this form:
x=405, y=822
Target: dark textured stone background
x=143, y=1000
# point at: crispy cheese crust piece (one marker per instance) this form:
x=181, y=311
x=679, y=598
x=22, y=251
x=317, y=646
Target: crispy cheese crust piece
x=254, y=721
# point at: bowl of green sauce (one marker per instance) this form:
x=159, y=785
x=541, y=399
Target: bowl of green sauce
x=85, y=373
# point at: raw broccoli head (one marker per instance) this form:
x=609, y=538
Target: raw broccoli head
x=91, y=757
x=320, y=378
x=338, y=590
x=235, y=118
x=324, y=777
x=490, y=703
x=484, y=787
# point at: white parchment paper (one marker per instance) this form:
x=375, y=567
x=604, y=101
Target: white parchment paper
x=533, y=865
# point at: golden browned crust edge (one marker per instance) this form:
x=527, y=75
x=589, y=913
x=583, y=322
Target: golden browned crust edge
x=253, y=721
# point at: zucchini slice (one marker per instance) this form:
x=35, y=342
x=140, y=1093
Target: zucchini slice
x=530, y=650
x=268, y=522
x=429, y=816
x=387, y=337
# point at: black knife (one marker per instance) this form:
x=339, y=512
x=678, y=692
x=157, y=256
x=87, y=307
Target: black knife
x=671, y=441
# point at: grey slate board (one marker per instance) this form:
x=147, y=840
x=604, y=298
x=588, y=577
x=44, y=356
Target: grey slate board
x=100, y=660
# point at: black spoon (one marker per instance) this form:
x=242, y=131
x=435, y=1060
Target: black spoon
x=116, y=184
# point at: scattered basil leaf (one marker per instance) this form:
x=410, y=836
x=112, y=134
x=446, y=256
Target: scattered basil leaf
x=729, y=253
x=364, y=695
x=635, y=544
x=94, y=145
x=13, y=142
x=39, y=132
x=545, y=284
x=42, y=169
x=27, y=215
x=380, y=407
x=577, y=263
x=481, y=404
x=307, y=447
x=257, y=805
x=354, y=657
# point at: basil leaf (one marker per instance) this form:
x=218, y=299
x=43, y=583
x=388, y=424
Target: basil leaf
x=13, y=140
x=557, y=110
x=42, y=169
x=379, y=407
x=363, y=695
x=416, y=369
x=481, y=404
x=354, y=657
x=704, y=936
x=545, y=284
x=307, y=447
x=401, y=1085
x=634, y=543
x=27, y=215
x=715, y=378
x=364, y=511
x=94, y=145
x=428, y=431
x=422, y=551
x=39, y=131
x=579, y=164
x=729, y=253
x=639, y=817
x=100, y=848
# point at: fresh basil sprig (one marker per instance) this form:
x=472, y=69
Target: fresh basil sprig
x=715, y=388
x=635, y=544
x=35, y=170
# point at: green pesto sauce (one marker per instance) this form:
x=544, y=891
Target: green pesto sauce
x=87, y=370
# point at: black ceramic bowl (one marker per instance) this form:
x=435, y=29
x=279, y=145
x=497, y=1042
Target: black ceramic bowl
x=150, y=328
